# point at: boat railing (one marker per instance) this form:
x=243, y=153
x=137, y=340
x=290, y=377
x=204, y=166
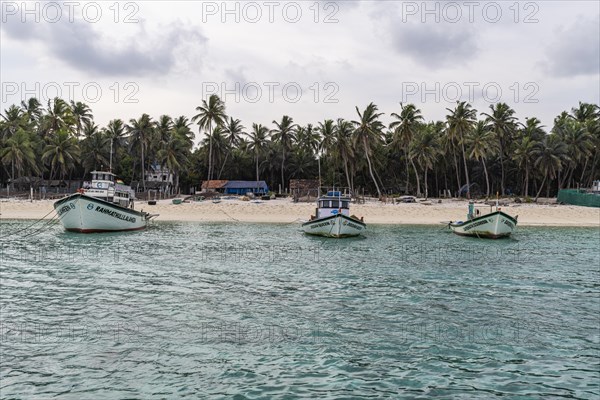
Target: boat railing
x=339, y=190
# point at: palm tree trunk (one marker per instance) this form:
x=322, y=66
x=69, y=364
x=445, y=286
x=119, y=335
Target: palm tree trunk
x=526, y=181
x=416, y=176
x=466, y=170
x=502, y=168
x=407, y=171
x=370, y=168
x=541, y=187
x=209, y=154
x=223, y=166
x=583, y=170
x=319, y=161
x=282, y=167
x=257, y=167
x=133, y=169
x=593, y=169
x=437, y=184
x=143, y=169
x=348, y=176
x=12, y=174
x=426, y=193
x=570, y=180
x=487, y=179
x=457, y=170
x=562, y=181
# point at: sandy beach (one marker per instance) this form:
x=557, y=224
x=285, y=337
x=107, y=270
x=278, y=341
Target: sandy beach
x=374, y=212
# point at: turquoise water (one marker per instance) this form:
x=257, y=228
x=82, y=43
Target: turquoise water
x=263, y=311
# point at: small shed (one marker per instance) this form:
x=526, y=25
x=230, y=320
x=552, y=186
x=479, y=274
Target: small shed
x=214, y=186
x=243, y=187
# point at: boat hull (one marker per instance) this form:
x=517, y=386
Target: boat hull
x=85, y=214
x=337, y=226
x=494, y=225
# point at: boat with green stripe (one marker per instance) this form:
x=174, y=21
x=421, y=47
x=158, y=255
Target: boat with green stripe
x=496, y=224
x=332, y=218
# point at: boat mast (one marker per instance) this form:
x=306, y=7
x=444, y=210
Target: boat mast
x=497, y=194
x=111, y=151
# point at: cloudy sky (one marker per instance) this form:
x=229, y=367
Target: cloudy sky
x=308, y=59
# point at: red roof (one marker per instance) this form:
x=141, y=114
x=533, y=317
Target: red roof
x=214, y=184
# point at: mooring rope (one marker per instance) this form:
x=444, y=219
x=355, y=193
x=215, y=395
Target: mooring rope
x=235, y=219
x=27, y=227
x=37, y=231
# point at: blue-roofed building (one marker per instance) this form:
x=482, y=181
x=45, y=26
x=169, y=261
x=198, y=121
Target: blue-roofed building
x=243, y=187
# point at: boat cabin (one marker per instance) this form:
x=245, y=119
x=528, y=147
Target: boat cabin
x=103, y=186
x=332, y=204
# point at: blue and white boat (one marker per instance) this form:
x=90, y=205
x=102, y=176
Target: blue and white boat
x=332, y=218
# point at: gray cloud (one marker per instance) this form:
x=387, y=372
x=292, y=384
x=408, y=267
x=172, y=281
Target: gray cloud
x=84, y=48
x=576, y=50
x=435, y=45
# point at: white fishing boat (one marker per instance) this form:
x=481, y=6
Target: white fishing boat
x=496, y=224
x=332, y=218
x=104, y=206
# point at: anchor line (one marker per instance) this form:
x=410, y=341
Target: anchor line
x=235, y=219
x=27, y=227
x=39, y=230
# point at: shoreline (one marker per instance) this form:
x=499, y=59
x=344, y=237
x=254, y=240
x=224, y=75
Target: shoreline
x=284, y=211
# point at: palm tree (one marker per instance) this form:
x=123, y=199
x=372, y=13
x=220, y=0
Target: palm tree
x=586, y=112
x=460, y=122
x=342, y=147
x=173, y=153
x=209, y=115
x=181, y=125
x=524, y=153
x=82, y=114
x=549, y=156
x=58, y=116
x=233, y=131
x=18, y=151
x=62, y=151
x=94, y=148
x=258, y=140
x=163, y=127
x=140, y=132
x=33, y=108
x=284, y=135
x=424, y=149
x=13, y=120
x=589, y=115
x=481, y=145
x=503, y=123
x=115, y=133
x=579, y=147
x=326, y=129
x=404, y=129
x=369, y=131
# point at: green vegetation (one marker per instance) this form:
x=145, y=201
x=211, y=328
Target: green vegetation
x=489, y=151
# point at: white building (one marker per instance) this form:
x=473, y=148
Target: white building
x=158, y=174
